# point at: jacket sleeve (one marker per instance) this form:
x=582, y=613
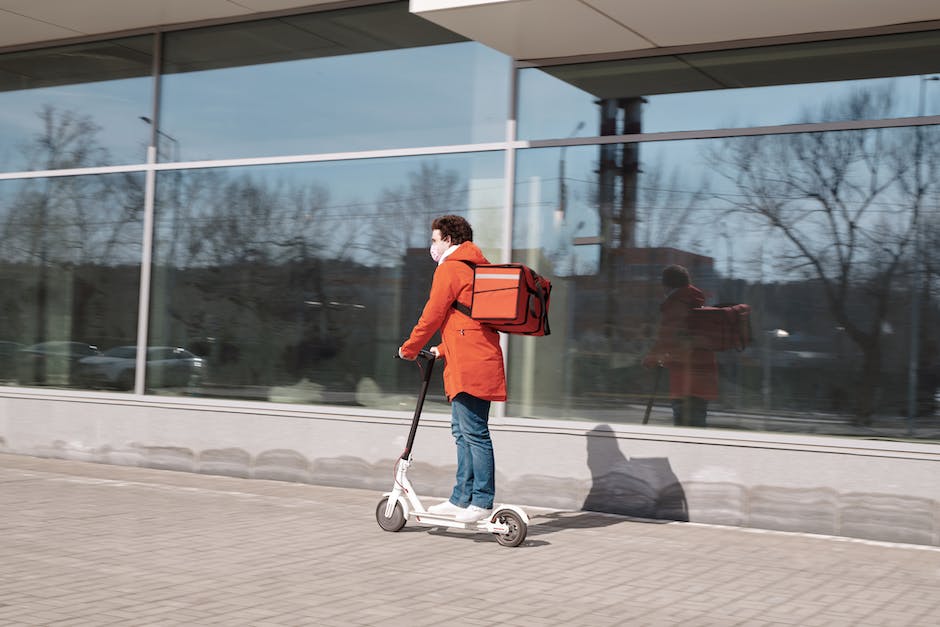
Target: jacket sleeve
x=436, y=310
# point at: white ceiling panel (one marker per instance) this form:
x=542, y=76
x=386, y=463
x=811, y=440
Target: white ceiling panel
x=102, y=16
x=532, y=29
x=28, y=21
x=538, y=28
x=727, y=20
x=16, y=29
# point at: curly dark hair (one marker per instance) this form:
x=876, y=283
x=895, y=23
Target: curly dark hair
x=455, y=227
x=675, y=276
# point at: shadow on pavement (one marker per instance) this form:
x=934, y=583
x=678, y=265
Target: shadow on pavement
x=542, y=525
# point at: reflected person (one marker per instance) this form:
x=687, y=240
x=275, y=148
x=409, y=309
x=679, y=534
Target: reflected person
x=693, y=372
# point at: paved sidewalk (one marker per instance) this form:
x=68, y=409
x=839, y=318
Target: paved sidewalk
x=90, y=544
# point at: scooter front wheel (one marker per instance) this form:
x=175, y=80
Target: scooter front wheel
x=390, y=523
x=517, y=528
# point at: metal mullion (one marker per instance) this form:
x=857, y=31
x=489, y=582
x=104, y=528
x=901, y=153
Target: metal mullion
x=513, y=144
x=509, y=199
x=143, y=300
x=275, y=160
x=146, y=254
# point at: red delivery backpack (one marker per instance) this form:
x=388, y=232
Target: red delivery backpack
x=509, y=297
x=721, y=328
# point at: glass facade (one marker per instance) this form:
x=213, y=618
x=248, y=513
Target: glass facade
x=359, y=79
x=297, y=283
x=70, y=265
x=817, y=232
x=88, y=101
x=293, y=279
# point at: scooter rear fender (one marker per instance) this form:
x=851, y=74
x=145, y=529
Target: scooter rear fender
x=513, y=508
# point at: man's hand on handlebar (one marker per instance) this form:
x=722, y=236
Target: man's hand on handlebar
x=429, y=354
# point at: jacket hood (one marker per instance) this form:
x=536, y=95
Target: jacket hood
x=468, y=251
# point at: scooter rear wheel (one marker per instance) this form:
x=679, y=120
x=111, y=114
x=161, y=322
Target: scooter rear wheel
x=517, y=528
x=391, y=523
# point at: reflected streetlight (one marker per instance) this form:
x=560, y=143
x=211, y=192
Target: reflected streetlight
x=562, y=186
x=730, y=251
x=772, y=336
x=175, y=182
x=175, y=152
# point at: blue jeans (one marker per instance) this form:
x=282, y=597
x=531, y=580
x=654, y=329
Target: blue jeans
x=476, y=480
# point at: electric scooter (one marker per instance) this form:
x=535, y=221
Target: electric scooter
x=508, y=522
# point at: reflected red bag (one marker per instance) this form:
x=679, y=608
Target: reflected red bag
x=509, y=297
x=721, y=328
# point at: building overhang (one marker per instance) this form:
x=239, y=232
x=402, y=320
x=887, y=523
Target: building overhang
x=522, y=29
x=545, y=29
x=25, y=22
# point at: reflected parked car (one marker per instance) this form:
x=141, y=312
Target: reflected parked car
x=167, y=366
x=52, y=363
x=8, y=351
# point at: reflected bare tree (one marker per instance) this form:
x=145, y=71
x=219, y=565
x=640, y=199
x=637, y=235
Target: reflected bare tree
x=666, y=212
x=431, y=191
x=70, y=222
x=227, y=240
x=67, y=140
x=845, y=208
x=72, y=219
x=208, y=219
x=278, y=261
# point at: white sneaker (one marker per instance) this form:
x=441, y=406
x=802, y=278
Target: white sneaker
x=473, y=514
x=446, y=508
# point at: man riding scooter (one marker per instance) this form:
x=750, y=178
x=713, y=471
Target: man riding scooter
x=473, y=372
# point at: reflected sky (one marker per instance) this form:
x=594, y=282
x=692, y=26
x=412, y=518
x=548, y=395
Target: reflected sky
x=449, y=94
x=114, y=106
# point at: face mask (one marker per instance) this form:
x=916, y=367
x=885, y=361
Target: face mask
x=437, y=251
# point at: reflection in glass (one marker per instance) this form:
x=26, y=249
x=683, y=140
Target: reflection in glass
x=70, y=266
x=93, y=89
x=771, y=85
x=825, y=235
x=298, y=283
x=167, y=366
x=337, y=81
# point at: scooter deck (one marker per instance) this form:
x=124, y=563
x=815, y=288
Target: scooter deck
x=429, y=518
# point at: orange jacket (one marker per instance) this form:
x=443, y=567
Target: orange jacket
x=474, y=360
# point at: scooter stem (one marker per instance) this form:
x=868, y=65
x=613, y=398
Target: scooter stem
x=429, y=358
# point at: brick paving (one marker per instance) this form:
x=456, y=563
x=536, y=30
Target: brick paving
x=90, y=544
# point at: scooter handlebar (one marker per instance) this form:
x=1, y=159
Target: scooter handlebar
x=424, y=354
